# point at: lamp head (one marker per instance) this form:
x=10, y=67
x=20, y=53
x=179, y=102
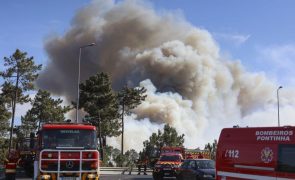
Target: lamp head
x=92, y=44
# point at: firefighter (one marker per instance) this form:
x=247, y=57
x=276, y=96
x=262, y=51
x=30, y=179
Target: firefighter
x=142, y=163
x=145, y=163
x=130, y=165
x=138, y=165
x=11, y=161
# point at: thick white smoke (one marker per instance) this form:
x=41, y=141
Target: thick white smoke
x=189, y=85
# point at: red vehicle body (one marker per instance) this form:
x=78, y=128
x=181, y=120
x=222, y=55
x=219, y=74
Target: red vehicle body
x=256, y=153
x=171, y=159
x=67, y=151
x=196, y=154
x=167, y=165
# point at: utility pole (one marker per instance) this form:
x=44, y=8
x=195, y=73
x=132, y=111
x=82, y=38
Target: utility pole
x=278, y=104
x=122, y=142
x=78, y=88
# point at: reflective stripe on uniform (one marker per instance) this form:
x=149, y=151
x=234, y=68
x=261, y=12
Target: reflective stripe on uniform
x=11, y=163
x=10, y=170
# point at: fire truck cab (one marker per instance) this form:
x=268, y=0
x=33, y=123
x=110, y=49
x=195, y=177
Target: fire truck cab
x=67, y=151
x=256, y=153
x=168, y=163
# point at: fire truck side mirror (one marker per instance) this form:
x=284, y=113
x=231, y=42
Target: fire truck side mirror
x=32, y=140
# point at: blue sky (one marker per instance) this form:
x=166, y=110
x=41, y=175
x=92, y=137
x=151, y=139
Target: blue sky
x=258, y=33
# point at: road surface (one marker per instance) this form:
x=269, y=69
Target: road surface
x=116, y=177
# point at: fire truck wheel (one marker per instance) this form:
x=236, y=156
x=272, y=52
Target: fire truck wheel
x=10, y=176
x=178, y=177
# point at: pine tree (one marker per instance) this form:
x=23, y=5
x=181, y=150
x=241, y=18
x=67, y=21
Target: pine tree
x=100, y=102
x=212, y=149
x=4, y=117
x=129, y=98
x=19, y=76
x=44, y=109
x=169, y=137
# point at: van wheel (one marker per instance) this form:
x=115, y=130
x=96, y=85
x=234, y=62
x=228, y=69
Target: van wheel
x=198, y=178
x=157, y=177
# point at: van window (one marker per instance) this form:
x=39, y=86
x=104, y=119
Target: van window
x=185, y=164
x=286, y=161
x=192, y=165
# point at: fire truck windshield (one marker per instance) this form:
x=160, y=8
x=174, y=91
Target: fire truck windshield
x=69, y=138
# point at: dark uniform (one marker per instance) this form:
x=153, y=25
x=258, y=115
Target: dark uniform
x=142, y=163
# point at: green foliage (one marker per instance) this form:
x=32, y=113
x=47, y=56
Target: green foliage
x=107, y=153
x=21, y=68
x=131, y=156
x=3, y=150
x=19, y=77
x=115, y=152
x=118, y=157
x=127, y=159
x=4, y=117
x=99, y=101
x=8, y=93
x=44, y=109
x=121, y=160
x=169, y=137
x=212, y=149
x=20, y=136
x=130, y=98
x=28, y=123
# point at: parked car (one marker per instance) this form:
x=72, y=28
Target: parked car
x=192, y=169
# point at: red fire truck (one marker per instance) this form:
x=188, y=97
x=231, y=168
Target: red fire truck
x=256, y=153
x=172, y=157
x=187, y=153
x=167, y=165
x=67, y=151
x=196, y=154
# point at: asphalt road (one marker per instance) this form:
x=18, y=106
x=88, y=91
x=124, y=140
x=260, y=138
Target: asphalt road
x=123, y=177
x=116, y=177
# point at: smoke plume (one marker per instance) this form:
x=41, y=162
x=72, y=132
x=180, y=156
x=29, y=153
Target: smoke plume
x=189, y=85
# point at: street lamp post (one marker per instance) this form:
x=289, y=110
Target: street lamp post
x=278, y=104
x=78, y=88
